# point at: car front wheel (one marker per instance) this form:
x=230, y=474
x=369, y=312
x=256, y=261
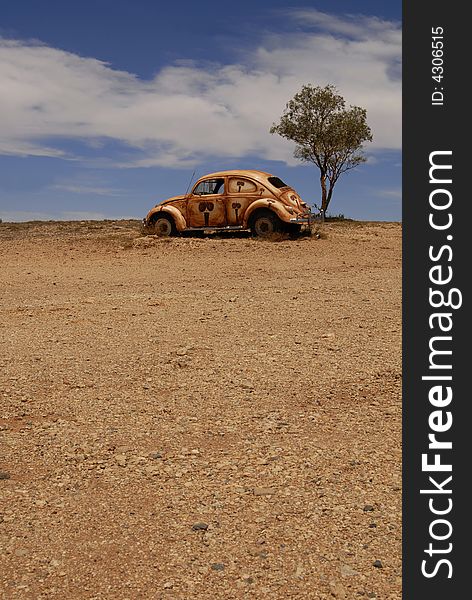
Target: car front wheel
x=163, y=226
x=265, y=224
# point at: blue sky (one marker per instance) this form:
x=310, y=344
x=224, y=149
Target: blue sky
x=107, y=107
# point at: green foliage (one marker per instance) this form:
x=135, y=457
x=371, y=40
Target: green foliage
x=339, y=217
x=326, y=133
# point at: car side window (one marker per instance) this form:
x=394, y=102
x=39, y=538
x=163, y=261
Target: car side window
x=239, y=185
x=209, y=186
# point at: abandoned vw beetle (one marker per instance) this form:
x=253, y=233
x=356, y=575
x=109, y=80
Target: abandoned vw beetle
x=229, y=200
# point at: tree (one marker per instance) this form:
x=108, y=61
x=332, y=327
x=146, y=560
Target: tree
x=325, y=133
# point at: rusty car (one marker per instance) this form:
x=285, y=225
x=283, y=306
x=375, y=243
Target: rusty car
x=232, y=200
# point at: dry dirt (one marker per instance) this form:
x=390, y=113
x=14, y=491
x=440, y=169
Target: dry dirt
x=199, y=417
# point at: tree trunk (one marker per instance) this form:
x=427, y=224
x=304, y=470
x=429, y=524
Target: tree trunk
x=324, y=194
x=328, y=197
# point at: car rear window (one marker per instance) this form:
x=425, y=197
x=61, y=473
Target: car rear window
x=276, y=182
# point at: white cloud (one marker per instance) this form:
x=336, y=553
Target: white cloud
x=11, y=216
x=354, y=26
x=86, y=189
x=20, y=147
x=394, y=193
x=189, y=112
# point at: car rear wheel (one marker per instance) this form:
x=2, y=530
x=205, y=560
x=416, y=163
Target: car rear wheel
x=163, y=226
x=265, y=224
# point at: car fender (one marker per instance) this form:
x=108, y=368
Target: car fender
x=268, y=203
x=179, y=220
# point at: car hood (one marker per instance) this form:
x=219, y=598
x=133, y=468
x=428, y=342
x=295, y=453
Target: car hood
x=169, y=200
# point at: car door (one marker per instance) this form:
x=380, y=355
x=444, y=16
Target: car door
x=241, y=193
x=207, y=204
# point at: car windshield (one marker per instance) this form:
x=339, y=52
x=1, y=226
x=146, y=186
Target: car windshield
x=276, y=182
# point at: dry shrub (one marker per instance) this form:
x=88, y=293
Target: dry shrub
x=273, y=237
x=317, y=231
x=146, y=229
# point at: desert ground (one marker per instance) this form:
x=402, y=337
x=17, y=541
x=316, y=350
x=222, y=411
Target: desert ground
x=209, y=418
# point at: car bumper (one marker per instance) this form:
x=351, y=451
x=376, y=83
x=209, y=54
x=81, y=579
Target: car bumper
x=303, y=219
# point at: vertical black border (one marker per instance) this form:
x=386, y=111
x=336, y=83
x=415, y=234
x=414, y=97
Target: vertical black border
x=428, y=128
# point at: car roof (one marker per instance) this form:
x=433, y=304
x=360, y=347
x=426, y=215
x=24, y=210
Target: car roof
x=259, y=175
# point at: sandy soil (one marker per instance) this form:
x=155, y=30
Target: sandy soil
x=199, y=418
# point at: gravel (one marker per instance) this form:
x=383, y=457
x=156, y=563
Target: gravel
x=248, y=388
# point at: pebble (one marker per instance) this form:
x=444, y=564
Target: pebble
x=120, y=460
x=217, y=566
x=378, y=564
x=4, y=475
x=337, y=590
x=368, y=508
x=264, y=491
x=348, y=571
x=200, y=527
x=300, y=571
x=151, y=470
